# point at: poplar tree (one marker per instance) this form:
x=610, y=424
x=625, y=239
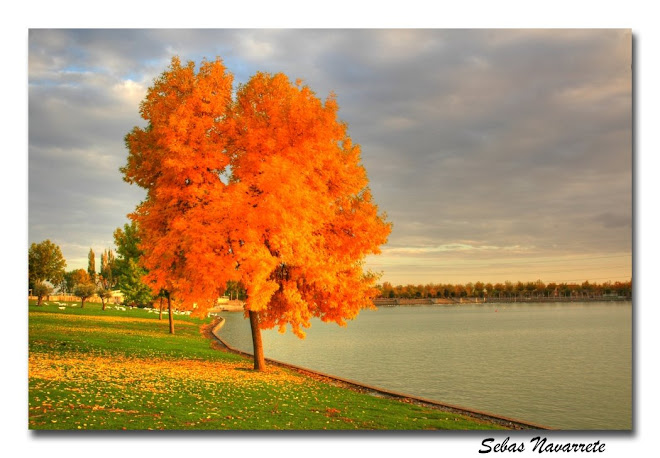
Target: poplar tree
x=91, y=266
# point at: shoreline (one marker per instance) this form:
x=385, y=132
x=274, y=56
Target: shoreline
x=511, y=423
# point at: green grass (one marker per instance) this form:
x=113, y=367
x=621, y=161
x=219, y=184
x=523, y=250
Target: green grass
x=113, y=369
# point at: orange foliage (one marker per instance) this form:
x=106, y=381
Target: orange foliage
x=177, y=158
x=295, y=219
x=80, y=277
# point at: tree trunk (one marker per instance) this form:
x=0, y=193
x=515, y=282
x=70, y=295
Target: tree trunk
x=103, y=304
x=257, y=345
x=82, y=303
x=160, y=314
x=169, y=308
x=39, y=299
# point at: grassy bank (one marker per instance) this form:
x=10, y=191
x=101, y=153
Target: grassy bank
x=121, y=369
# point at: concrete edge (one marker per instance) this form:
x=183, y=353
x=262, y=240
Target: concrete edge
x=501, y=420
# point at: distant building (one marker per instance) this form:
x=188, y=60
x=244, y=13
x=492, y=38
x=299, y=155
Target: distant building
x=117, y=296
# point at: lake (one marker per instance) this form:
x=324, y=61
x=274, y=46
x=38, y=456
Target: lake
x=564, y=365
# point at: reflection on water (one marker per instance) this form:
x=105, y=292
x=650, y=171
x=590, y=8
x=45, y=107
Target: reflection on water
x=566, y=365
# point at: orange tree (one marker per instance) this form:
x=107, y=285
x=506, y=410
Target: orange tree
x=293, y=219
x=177, y=158
x=306, y=218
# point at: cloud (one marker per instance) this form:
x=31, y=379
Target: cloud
x=129, y=93
x=505, y=138
x=450, y=248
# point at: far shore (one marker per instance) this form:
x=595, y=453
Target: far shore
x=391, y=302
x=229, y=306
x=238, y=306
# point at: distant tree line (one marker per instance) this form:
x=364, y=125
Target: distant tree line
x=47, y=272
x=124, y=272
x=508, y=289
x=120, y=269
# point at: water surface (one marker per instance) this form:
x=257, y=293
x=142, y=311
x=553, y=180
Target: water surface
x=565, y=365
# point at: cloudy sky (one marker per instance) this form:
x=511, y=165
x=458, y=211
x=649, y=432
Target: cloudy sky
x=497, y=154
